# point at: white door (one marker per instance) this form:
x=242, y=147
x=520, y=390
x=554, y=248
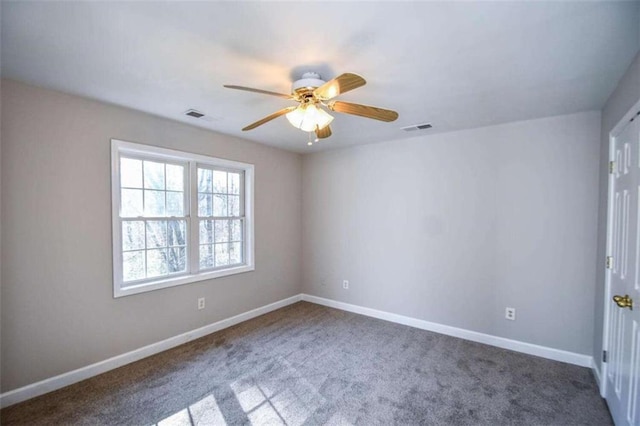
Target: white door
x=623, y=369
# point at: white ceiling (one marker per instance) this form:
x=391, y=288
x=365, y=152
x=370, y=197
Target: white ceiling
x=453, y=64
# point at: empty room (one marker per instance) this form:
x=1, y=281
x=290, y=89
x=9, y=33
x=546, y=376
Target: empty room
x=320, y=213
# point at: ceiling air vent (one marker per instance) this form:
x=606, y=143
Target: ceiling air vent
x=417, y=127
x=195, y=114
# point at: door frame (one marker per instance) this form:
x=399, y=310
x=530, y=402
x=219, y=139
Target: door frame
x=615, y=131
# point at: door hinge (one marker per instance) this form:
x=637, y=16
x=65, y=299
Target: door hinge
x=604, y=356
x=612, y=167
x=609, y=262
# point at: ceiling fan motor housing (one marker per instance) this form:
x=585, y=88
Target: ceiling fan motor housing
x=309, y=80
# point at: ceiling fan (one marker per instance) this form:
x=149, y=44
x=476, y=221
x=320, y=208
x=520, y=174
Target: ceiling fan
x=314, y=95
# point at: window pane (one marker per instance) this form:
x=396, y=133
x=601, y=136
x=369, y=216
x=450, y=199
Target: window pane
x=219, y=182
x=175, y=177
x=221, y=231
x=206, y=231
x=177, y=259
x=204, y=180
x=156, y=233
x=222, y=254
x=166, y=236
x=175, y=203
x=219, y=205
x=130, y=173
x=153, y=175
x=236, y=230
x=206, y=256
x=156, y=262
x=154, y=203
x=235, y=253
x=131, y=203
x=133, y=235
x=234, y=205
x=234, y=183
x=176, y=232
x=133, y=265
x=204, y=205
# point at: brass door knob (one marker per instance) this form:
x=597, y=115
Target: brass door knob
x=623, y=301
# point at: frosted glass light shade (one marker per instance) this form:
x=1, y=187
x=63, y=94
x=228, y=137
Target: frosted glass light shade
x=309, y=117
x=295, y=117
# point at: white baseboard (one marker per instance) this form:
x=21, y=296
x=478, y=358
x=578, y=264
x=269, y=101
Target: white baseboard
x=65, y=379
x=501, y=342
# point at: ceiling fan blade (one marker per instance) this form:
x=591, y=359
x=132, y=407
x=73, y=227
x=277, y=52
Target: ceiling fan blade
x=269, y=118
x=264, y=92
x=363, y=110
x=323, y=133
x=341, y=84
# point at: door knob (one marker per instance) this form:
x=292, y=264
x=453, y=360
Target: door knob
x=623, y=301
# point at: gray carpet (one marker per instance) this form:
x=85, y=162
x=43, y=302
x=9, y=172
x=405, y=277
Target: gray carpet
x=310, y=365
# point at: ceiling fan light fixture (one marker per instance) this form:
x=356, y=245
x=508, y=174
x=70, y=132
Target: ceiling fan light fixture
x=312, y=94
x=309, y=118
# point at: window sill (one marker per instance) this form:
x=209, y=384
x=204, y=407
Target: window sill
x=176, y=281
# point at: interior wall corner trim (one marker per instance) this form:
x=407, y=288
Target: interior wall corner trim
x=474, y=336
x=65, y=379
x=597, y=376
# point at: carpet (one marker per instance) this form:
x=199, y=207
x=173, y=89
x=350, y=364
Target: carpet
x=307, y=364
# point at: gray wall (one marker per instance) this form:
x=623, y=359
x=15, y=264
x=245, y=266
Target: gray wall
x=450, y=228
x=454, y=227
x=58, y=313
x=626, y=94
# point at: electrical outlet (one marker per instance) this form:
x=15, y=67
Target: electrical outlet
x=510, y=314
x=345, y=284
x=201, y=303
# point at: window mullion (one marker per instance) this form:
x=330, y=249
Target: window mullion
x=194, y=222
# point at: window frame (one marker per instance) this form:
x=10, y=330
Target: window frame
x=191, y=162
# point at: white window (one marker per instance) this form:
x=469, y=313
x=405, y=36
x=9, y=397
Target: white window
x=178, y=217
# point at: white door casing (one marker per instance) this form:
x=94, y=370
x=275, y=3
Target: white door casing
x=621, y=375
